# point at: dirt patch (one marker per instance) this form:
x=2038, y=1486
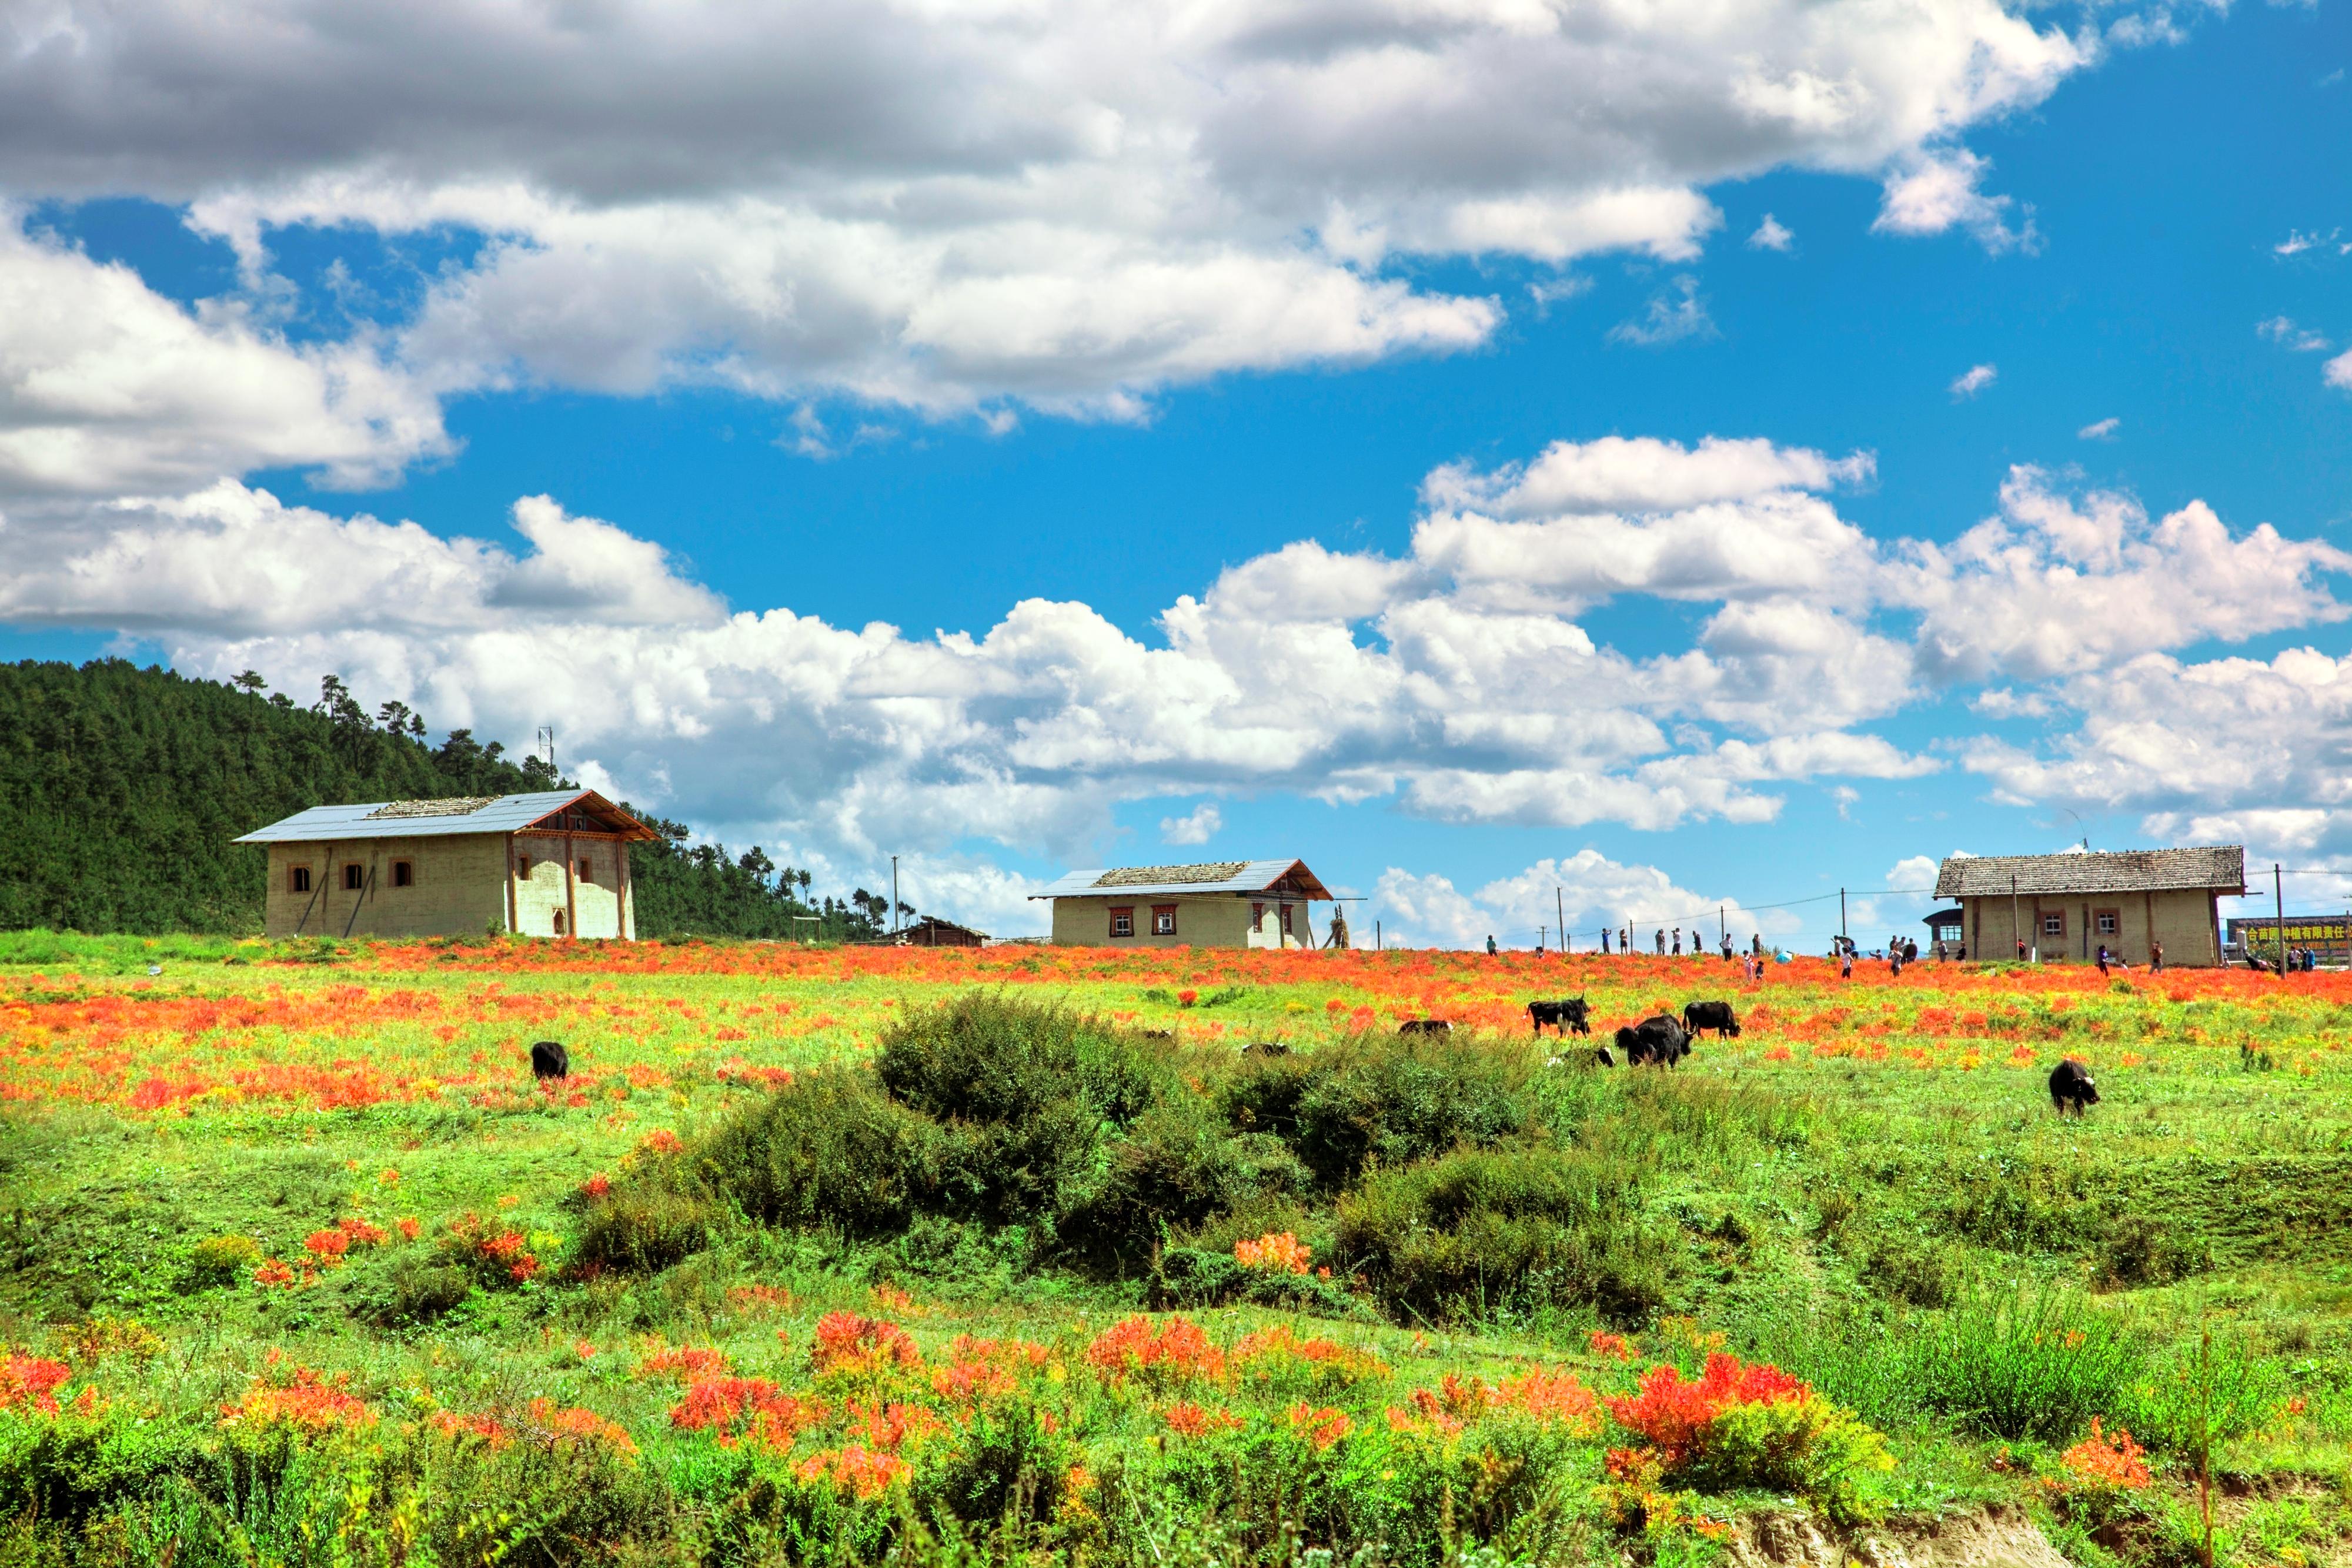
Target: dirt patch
x=1995, y=1536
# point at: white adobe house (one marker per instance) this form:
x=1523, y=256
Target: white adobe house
x=553, y=864
x=1223, y=903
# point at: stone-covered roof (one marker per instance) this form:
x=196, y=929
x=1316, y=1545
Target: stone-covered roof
x=2221, y=868
x=1216, y=876
x=428, y=818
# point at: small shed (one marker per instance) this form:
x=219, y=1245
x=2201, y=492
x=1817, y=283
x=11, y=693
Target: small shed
x=1219, y=903
x=1947, y=926
x=2070, y=905
x=931, y=931
x=551, y=864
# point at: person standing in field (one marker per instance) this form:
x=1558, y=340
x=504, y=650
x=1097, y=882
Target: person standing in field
x=1661, y=934
x=2156, y=957
x=1490, y=943
x=1845, y=960
x=1678, y=941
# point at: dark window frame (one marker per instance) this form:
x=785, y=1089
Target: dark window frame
x=355, y=876
x=298, y=879
x=404, y=874
x=2054, y=923
x=1163, y=920
x=586, y=870
x=1122, y=920
x=2108, y=923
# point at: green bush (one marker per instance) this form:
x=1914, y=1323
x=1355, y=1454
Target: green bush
x=223, y=1260
x=2230, y=1390
x=1480, y=1230
x=417, y=1288
x=1810, y=1446
x=2139, y=1250
x=1172, y=1171
x=825, y=1149
x=642, y=1230
x=1390, y=1099
x=2034, y=1362
x=1000, y=1060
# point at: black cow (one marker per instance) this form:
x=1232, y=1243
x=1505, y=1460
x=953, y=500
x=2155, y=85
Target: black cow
x=1266, y=1047
x=1425, y=1026
x=1602, y=1057
x=1700, y=1017
x=2071, y=1087
x=549, y=1059
x=1658, y=1041
x=1564, y=1014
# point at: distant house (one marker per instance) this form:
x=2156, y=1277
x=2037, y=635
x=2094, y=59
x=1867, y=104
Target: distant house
x=2070, y=905
x=550, y=864
x=1223, y=903
x=931, y=931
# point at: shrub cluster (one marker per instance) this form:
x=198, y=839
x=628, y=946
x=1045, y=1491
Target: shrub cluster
x=1438, y=1165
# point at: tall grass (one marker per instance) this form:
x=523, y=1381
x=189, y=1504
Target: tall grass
x=2031, y=1361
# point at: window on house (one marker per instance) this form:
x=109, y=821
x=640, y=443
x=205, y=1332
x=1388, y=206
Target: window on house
x=2054, y=923
x=587, y=869
x=2108, y=923
x=299, y=880
x=1257, y=916
x=1122, y=922
x=522, y=867
x=1285, y=918
x=404, y=874
x=559, y=923
x=355, y=876
x=1163, y=920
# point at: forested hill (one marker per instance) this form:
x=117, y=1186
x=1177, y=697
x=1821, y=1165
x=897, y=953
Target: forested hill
x=120, y=788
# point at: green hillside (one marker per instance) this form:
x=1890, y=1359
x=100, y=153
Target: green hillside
x=122, y=788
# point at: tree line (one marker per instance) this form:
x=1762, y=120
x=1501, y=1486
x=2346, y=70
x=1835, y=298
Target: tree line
x=122, y=788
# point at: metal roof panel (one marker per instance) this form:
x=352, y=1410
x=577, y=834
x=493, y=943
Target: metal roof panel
x=504, y=814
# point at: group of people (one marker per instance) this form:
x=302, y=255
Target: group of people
x=2299, y=960
x=1899, y=950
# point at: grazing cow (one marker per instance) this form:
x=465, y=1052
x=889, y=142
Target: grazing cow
x=1700, y=1017
x=1266, y=1047
x=1424, y=1025
x=549, y=1059
x=2071, y=1087
x=1658, y=1041
x=1600, y=1056
x=1564, y=1014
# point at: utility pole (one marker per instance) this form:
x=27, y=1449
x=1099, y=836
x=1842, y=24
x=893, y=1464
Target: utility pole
x=894, y=895
x=1541, y=932
x=1376, y=936
x=2016, y=937
x=1840, y=916
x=1560, y=909
x=1722, y=922
x=2278, y=903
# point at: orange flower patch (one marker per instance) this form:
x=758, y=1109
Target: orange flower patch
x=1176, y=1353
x=856, y=1470
x=1273, y=1253
x=1323, y=1427
x=1191, y=1421
x=1671, y=1415
x=30, y=1383
x=308, y=1402
x=847, y=1343
x=2107, y=1459
x=684, y=1363
x=733, y=1408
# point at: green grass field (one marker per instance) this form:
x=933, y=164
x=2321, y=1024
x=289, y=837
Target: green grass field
x=829, y=1255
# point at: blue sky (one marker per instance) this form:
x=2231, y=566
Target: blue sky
x=1402, y=289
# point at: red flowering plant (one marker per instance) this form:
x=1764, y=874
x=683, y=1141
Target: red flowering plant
x=495, y=1255
x=1737, y=1427
x=2100, y=1473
